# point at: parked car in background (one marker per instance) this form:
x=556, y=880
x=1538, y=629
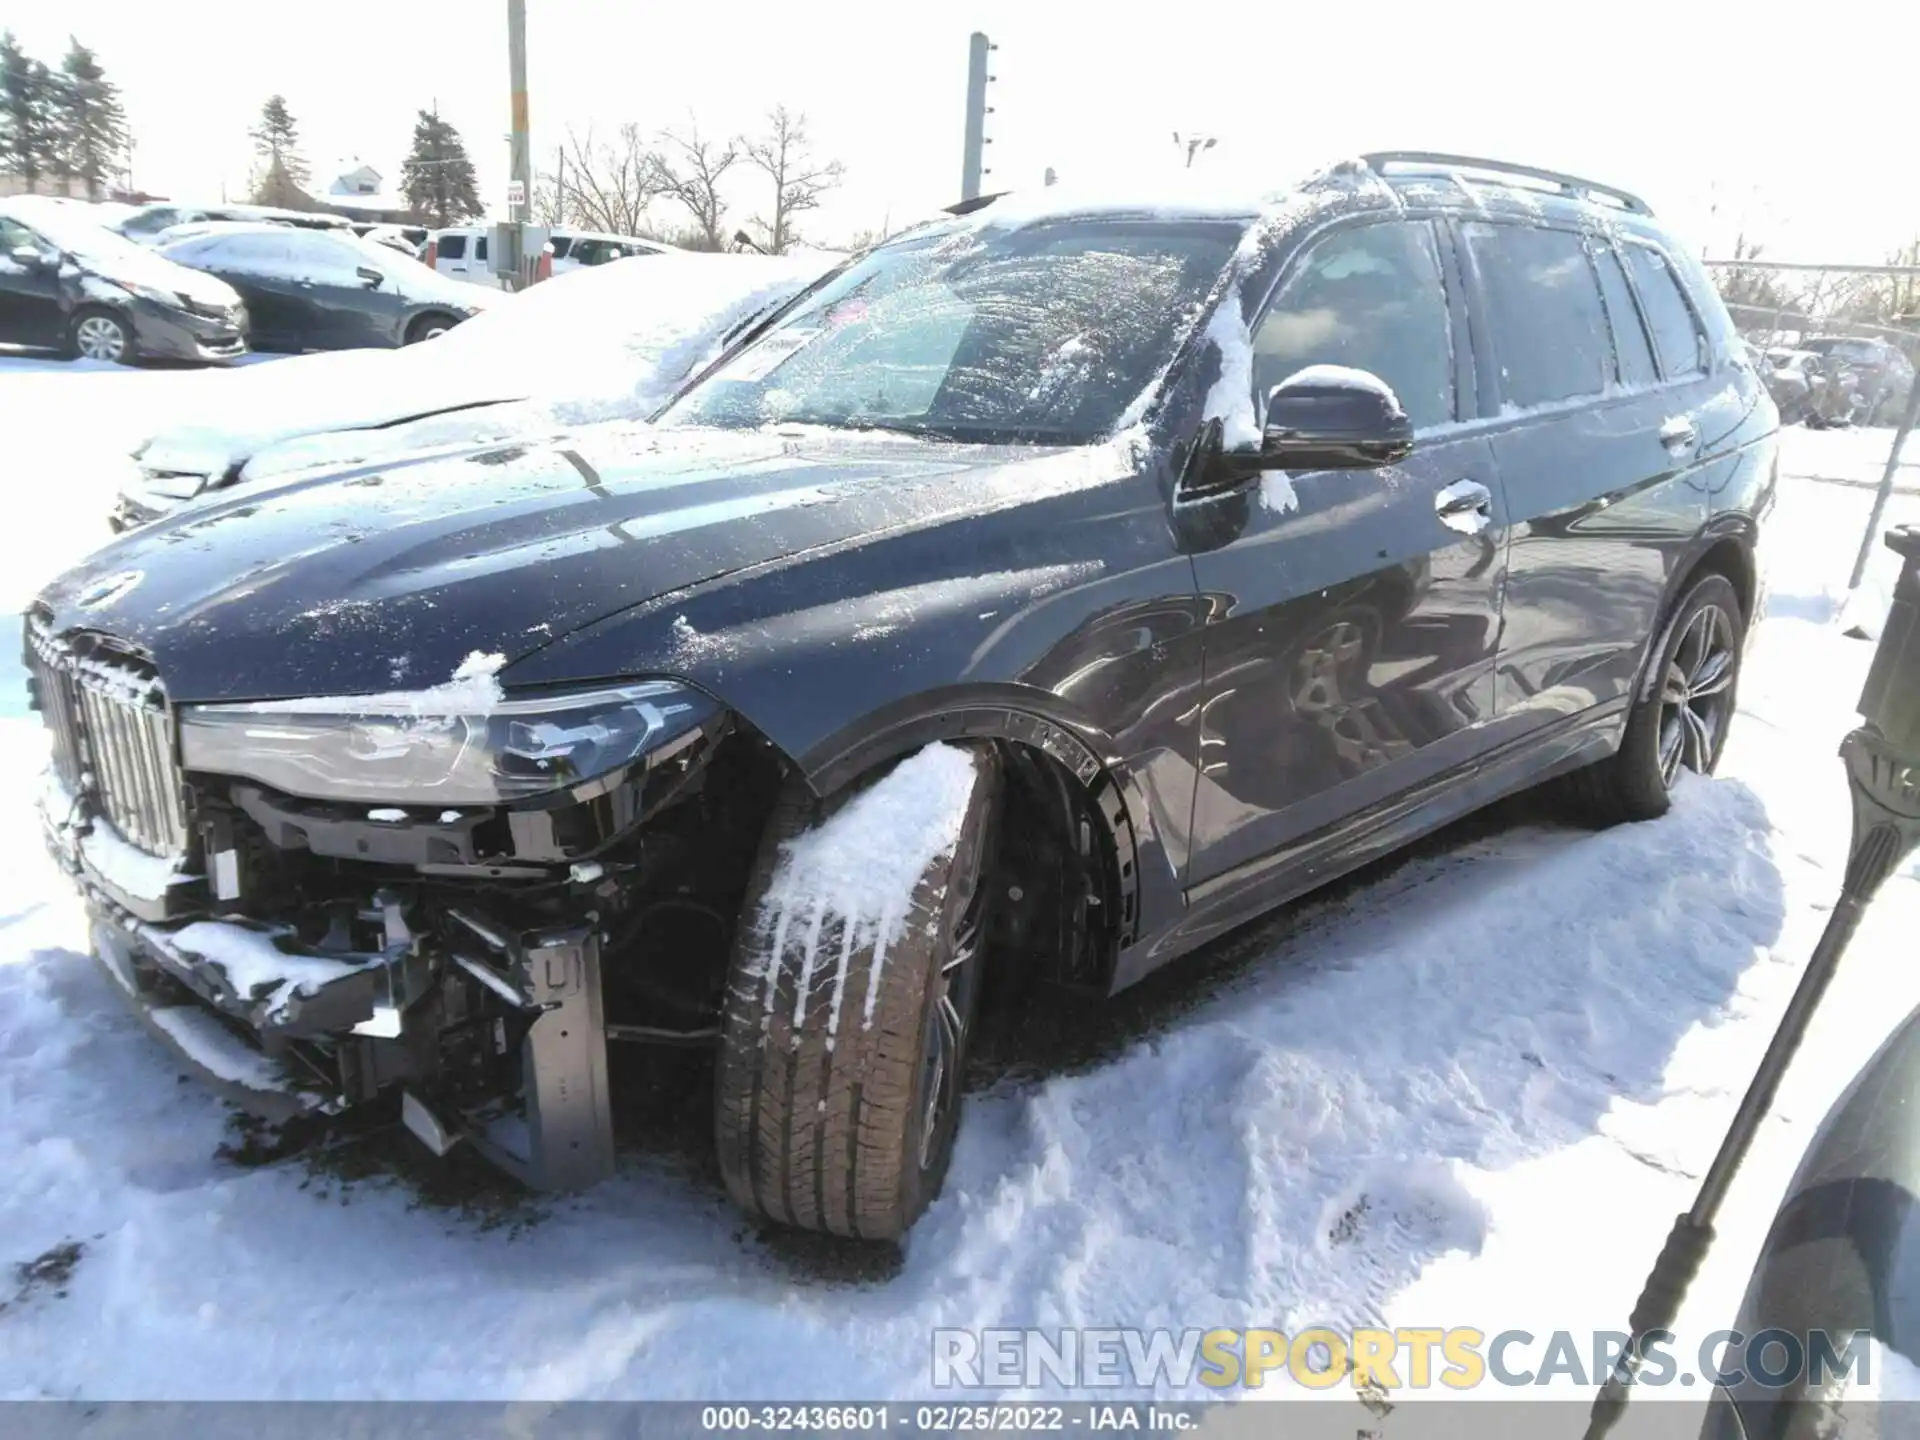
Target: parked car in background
x=1791, y=378
x=412, y=239
x=1032, y=599
x=147, y=223
x=461, y=251
x=68, y=284
x=311, y=291
x=1882, y=373
x=608, y=344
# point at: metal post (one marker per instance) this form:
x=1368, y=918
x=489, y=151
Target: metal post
x=1886, y=486
x=521, y=153
x=977, y=48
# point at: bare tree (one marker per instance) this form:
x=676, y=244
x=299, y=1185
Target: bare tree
x=691, y=168
x=602, y=185
x=784, y=156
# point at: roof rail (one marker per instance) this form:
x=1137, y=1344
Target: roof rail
x=1571, y=185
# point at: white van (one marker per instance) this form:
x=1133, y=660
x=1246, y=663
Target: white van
x=460, y=251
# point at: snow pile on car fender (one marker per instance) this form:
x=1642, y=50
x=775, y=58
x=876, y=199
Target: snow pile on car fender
x=859, y=868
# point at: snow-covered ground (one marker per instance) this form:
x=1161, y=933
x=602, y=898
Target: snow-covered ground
x=1470, y=1089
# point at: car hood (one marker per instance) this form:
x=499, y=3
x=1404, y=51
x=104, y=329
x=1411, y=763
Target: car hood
x=128, y=266
x=313, y=395
x=344, y=585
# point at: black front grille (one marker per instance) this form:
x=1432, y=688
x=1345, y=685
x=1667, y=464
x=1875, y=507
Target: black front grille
x=112, y=735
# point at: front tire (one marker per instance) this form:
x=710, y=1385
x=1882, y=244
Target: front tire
x=1682, y=723
x=99, y=334
x=843, y=1043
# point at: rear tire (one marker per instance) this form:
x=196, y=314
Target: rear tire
x=99, y=334
x=849, y=1129
x=1682, y=724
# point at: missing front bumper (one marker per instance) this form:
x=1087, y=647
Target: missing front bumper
x=323, y=1043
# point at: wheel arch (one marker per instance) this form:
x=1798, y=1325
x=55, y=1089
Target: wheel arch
x=1093, y=817
x=418, y=320
x=1727, y=549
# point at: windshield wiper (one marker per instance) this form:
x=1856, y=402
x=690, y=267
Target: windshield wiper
x=959, y=434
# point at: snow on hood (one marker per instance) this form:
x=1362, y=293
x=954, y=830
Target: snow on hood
x=111, y=256
x=604, y=342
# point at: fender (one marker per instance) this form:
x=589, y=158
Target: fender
x=1069, y=623
x=1021, y=717
x=1729, y=525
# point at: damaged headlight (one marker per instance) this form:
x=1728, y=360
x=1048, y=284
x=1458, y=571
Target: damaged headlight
x=429, y=748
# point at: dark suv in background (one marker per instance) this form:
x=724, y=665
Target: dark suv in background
x=1883, y=375
x=1040, y=594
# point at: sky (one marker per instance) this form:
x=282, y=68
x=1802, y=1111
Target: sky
x=1685, y=103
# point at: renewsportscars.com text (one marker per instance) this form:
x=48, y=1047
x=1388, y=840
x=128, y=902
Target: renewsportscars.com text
x=1407, y=1358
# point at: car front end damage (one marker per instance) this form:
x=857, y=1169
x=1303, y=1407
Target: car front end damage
x=465, y=955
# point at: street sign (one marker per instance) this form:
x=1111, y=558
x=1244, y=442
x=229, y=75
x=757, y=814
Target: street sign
x=516, y=193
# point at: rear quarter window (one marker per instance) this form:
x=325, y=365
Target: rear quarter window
x=1676, y=334
x=1543, y=300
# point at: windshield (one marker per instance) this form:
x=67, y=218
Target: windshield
x=1044, y=334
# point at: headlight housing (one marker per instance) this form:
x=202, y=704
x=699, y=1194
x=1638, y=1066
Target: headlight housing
x=417, y=749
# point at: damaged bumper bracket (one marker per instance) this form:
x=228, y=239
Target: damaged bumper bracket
x=563, y=1137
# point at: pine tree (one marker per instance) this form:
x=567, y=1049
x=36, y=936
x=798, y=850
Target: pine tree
x=437, y=177
x=276, y=149
x=91, y=126
x=28, y=145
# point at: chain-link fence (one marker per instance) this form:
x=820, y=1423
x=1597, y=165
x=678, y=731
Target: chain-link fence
x=1838, y=347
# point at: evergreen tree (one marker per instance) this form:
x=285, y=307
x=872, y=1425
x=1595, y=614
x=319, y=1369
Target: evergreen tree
x=28, y=144
x=437, y=177
x=91, y=126
x=276, y=149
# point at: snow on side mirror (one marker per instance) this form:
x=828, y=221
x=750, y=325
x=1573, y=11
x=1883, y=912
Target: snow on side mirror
x=1329, y=417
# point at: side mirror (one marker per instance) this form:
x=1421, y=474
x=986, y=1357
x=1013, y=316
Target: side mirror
x=1328, y=417
x=28, y=257
x=370, y=277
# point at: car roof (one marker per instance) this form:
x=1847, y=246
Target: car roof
x=1434, y=181
x=221, y=229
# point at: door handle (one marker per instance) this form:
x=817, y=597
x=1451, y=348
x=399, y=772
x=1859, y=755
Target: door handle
x=1465, y=505
x=1678, y=434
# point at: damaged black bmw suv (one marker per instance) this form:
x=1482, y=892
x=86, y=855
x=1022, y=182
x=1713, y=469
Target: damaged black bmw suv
x=1048, y=589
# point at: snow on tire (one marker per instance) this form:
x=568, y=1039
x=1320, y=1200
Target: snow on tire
x=850, y=995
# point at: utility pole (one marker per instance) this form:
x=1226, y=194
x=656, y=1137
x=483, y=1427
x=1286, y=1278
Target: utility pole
x=520, y=181
x=560, y=186
x=971, y=168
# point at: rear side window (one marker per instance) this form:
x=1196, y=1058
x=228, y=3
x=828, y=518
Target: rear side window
x=1629, y=331
x=451, y=247
x=1676, y=336
x=1371, y=298
x=480, y=248
x=1543, y=301
x=323, y=258
x=248, y=254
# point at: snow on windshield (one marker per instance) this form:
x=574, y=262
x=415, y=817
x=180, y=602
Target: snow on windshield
x=1043, y=333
